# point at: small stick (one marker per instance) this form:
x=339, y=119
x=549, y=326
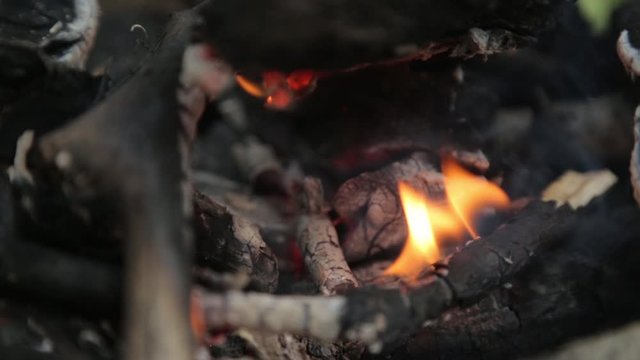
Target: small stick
x=318, y=240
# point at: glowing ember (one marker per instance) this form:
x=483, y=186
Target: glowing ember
x=467, y=193
x=421, y=248
x=280, y=90
x=301, y=80
x=280, y=99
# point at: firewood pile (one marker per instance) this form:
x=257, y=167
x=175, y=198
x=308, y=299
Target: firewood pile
x=442, y=179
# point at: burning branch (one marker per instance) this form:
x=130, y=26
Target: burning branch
x=376, y=316
x=371, y=201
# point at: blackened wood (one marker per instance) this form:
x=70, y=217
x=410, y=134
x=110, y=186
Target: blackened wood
x=227, y=242
x=370, y=205
x=473, y=271
x=378, y=316
x=285, y=35
x=485, y=264
x=570, y=288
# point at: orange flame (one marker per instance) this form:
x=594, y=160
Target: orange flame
x=467, y=193
x=278, y=89
x=250, y=87
x=421, y=248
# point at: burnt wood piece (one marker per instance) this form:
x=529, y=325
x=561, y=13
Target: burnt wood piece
x=371, y=207
x=377, y=316
x=228, y=242
x=129, y=151
x=285, y=35
x=370, y=203
x=570, y=289
x=318, y=241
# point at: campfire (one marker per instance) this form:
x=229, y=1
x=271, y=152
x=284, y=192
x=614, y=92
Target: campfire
x=237, y=179
x=466, y=195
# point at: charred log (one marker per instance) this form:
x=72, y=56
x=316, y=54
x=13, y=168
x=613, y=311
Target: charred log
x=228, y=242
x=341, y=34
x=569, y=289
x=371, y=206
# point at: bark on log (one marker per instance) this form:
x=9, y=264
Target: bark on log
x=339, y=34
